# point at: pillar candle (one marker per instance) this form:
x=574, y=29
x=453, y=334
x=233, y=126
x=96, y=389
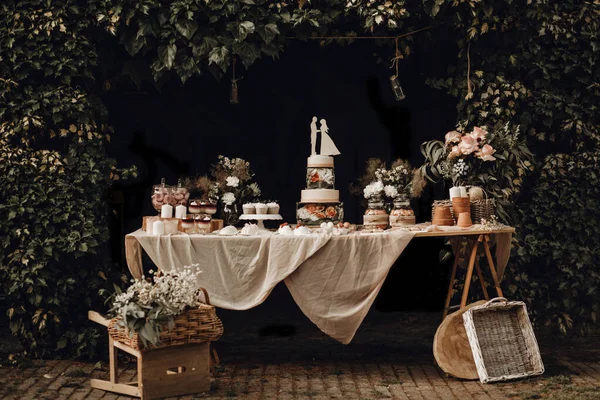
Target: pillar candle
x=166, y=211
x=180, y=211
x=463, y=191
x=454, y=192
x=158, y=227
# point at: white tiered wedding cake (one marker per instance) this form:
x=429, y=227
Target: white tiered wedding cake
x=320, y=201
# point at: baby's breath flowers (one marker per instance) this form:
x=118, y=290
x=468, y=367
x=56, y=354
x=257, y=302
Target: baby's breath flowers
x=149, y=302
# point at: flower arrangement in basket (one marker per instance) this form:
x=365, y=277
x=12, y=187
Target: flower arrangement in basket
x=493, y=160
x=170, y=308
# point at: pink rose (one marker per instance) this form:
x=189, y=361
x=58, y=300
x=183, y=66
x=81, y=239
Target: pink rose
x=454, y=153
x=478, y=134
x=468, y=145
x=453, y=137
x=486, y=153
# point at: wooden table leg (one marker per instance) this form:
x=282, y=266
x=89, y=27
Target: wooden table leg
x=465, y=294
x=480, y=276
x=451, y=285
x=488, y=254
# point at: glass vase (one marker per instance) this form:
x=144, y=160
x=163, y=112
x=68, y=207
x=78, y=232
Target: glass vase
x=376, y=217
x=402, y=213
x=231, y=213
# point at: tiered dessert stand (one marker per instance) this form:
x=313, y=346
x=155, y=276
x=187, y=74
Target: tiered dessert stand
x=260, y=218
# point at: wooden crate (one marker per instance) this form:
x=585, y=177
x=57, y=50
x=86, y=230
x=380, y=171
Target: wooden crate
x=162, y=372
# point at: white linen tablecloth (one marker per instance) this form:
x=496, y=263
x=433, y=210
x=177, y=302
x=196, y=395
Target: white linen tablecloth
x=333, y=279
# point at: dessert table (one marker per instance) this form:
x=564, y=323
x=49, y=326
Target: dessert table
x=333, y=279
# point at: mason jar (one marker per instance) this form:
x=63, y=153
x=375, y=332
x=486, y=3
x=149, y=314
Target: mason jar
x=402, y=213
x=376, y=217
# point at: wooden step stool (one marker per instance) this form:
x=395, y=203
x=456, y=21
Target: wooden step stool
x=163, y=372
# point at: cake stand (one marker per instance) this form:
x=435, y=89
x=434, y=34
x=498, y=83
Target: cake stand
x=260, y=218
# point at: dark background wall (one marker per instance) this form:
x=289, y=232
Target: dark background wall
x=180, y=130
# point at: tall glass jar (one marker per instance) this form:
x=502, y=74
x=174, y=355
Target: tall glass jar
x=376, y=217
x=402, y=213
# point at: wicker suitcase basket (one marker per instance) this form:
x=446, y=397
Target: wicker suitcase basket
x=502, y=340
x=193, y=326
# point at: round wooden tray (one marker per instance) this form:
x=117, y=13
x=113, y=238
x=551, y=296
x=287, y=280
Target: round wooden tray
x=451, y=347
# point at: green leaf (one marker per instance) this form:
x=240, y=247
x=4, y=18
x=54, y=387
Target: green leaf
x=245, y=28
x=206, y=46
x=248, y=52
x=220, y=57
x=186, y=27
x=166, y=54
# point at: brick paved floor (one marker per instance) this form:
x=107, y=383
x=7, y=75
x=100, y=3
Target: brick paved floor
x=271, y=354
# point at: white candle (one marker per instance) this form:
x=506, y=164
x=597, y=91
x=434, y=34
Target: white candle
x=166, y=211
x=454, y=192
x=463, y=191
x=158, y=227
x=180, y=211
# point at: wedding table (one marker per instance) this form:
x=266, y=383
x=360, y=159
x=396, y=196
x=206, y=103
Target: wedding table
x=333, y=279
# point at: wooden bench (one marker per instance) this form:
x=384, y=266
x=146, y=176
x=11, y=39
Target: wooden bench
x=163, y=372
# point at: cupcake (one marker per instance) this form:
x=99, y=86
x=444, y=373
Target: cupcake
x=273, y=208
x=249, y=208
x=261, y=208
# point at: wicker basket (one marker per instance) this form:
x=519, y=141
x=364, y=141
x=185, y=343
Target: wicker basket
x=482, y=209
x=193, y=326
x=502, y=340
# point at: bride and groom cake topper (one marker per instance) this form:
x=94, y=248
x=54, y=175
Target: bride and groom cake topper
x=327, y=146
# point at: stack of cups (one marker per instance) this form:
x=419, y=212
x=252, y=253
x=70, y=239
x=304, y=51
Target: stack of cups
x=461, y=204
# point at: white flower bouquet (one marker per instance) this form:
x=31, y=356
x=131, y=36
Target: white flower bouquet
x=389, y=183
x=147, y=305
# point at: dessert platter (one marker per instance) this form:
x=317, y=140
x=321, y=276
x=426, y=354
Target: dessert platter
x=260, y=212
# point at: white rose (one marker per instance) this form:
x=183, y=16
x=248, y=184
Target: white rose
x=390, y=191
x=233, y=181
x=228, y=198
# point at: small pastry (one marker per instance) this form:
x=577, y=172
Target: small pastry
x=250, y=230
x=228, y=231
x=285, y=229
x=249, y=208
x=273, y=208
x=302, y=230
x=261, y=208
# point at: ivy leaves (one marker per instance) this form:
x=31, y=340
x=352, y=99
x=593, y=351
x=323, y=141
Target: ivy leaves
x=188, y=37
x=166, y=54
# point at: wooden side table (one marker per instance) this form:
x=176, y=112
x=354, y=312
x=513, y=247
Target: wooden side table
x=479, y=237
